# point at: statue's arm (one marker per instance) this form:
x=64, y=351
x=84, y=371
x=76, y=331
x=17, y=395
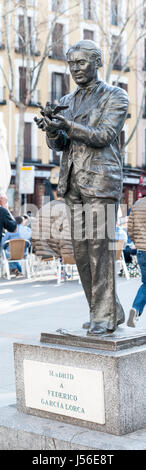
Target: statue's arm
x=59, y=141
x=109, y=126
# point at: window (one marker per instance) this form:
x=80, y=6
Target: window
x=27, y=141
x=22, y=84
x=21, y=33
x=114, y=12
x=117, y=54
x=57, y=42
x=60, y=86
x=87, y=34
x=88, y=10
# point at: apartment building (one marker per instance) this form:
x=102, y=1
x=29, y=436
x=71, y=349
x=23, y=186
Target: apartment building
x=64, y=22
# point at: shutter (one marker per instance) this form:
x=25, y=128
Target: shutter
x=21, y=34
x=53, y=87
x=22, y=84
x=117, y=59
x=57, y=41
x=27, y=142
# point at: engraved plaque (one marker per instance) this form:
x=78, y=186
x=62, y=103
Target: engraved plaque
x=65, y=390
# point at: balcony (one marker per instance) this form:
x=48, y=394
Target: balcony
x=32, y=154
x=22, y=50
x=56, y=55
x=34, y=101
x=3, y=96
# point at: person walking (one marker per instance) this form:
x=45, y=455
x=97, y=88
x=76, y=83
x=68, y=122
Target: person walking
x=137, y=233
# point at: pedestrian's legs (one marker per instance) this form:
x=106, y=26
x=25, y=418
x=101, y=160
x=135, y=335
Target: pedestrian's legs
x=140, y=299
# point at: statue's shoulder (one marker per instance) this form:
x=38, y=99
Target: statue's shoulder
x=117, y=90
x=112, y=88
x=66, y=98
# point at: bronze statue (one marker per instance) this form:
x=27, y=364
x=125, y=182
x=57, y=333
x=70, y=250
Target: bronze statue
x=87, y=131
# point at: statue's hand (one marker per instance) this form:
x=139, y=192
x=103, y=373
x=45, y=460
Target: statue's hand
x=59, y=123
x=40, y=123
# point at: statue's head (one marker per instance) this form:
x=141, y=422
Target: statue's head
x=84, y=58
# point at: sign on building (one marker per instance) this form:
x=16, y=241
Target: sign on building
x=26, y=185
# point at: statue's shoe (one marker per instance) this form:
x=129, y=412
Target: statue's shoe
x=97, y=328
x=86, y=325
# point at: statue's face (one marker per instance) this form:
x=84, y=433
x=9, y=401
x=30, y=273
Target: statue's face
x=82, y=67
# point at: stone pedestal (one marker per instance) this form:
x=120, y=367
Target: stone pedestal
x=97, y=383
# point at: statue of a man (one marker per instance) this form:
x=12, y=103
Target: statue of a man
x=87, y=131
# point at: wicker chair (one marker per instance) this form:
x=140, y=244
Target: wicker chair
x=44, y=243
x=17, y=253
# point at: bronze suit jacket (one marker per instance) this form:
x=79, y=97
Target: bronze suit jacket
x=92, y=144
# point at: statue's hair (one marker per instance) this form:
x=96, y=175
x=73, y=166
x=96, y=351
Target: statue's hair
x=89, y=46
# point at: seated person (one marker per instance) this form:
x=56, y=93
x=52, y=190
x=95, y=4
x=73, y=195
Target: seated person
x=22, y=232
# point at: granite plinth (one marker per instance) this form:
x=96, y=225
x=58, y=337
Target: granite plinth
x=19, y=431
x=117, y=362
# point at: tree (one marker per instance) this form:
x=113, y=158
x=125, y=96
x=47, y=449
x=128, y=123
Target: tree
x=28, y=36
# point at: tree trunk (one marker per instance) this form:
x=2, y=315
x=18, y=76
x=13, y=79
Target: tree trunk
x=19, y=159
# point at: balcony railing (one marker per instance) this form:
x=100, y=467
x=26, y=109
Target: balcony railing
x=56, y=55
x=21, y=96
x=22, y=50
x=31, y=153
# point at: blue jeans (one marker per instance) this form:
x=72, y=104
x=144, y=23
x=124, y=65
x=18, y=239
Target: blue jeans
x=13, y=265
x=140, y=299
